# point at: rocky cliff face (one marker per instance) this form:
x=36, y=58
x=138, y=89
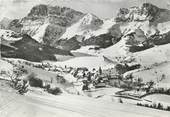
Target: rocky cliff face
x=155, y=14
x=146, y=12
x=54, y=26
x=68, y=29
x=145, y=26
x=53, y=21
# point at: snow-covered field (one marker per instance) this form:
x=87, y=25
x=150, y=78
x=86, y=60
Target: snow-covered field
x=157, y=54
x=66, y=105
x=159, y=98
x=87, y=50
x=89, y=62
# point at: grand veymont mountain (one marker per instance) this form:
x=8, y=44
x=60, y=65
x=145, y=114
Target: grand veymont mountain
x=134, y=29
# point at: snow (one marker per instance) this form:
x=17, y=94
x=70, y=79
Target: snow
x=164, y=27
x=157, y=54
x=154, y=63
x=148, y=30
x=7, y=35
x=77, y=28
x=70, y=78
x=154, y=74
x=103, y=29
x=103, y=92
x=5, y=68
x=126, y=28
x=89, y=62
x=40, y=33
x=66, y=105
x=20, y=61
x=145, y=26
x=130, y=27
x=119, y=49
x=159, y=98
x=35, y=29
x=134, y=14
x=87, y=50
x=87, y=19
x=44, y=75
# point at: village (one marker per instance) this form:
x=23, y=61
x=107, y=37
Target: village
x=85, y=82
x=96, y=78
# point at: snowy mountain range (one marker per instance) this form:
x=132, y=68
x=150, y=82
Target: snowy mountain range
x=68, y=49
x=50, y=31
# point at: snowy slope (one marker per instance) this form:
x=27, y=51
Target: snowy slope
x=164, y=27
x=154, y=63
x=35, y=29
x=90, y=62
x=149, y=30
x=157, y=54
x=103, y=29
x=130, y=27
x=39, y=34
x=88, y=50
x=122, y=49
x=154, y=73
x=119, y=49
x=88, y=31
x=65, y=105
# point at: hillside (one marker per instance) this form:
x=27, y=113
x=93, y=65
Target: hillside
x=27, y=48
x=58, y=26
x=46, y=23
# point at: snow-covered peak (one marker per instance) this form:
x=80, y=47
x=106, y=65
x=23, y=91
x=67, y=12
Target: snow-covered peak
x=90, y=25
x=39, y=34
x=83, y=27
x=87, y=19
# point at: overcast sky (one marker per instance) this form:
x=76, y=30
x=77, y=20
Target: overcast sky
x=101, y=8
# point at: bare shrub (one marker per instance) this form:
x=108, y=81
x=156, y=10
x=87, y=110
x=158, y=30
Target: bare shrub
x=34, y=81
